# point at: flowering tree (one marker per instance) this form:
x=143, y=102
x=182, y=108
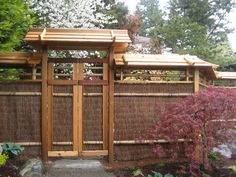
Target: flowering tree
x=203, y=120
x=70, y=13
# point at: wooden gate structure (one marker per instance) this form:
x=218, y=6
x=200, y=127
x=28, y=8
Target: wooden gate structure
x=122, y=100
x=109, y=41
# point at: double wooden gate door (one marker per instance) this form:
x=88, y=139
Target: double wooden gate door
x=79, y=75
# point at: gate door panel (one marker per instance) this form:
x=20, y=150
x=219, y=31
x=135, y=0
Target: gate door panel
x=77, y=107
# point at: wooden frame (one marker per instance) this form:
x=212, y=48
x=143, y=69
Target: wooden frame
x=62, y=153
x=75, y=110
x=77, y=60
x=77, y=83
x=105, y=107
x=44, y=104
x=50, y=107
x=196, y=80
x=80, y=108
x=110, y=43
x=111, y=105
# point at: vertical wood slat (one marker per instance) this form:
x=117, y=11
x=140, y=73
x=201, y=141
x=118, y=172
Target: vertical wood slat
x=44, y=105
x=80, y=108
x=111, y=106
x=196, y=80
x=34, y=72
x=121, y=74
x=75, y=110
x=105, y=108
x=187, y=74
x=50, y=107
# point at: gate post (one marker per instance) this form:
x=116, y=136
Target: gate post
x=44, y=120
x=111, y=105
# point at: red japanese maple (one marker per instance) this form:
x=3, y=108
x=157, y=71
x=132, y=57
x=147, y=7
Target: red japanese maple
x=203, y=120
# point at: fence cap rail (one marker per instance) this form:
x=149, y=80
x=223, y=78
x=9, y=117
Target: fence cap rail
x=20, y=58
x=78, y=39
x=171, y=61
x=226, y=75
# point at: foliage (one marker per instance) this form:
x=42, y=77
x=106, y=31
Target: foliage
x=205, y=174
x=232, y=167
x=152, y=22
x=132, y=25
x=3, y=159
x=151, y=16
x=191, y=27
x=15, y=19
x=157, y=174
x=10, y=74
x=137, y=172
x=119, y=12
x=70, y=14
x=12, y=149
x=214, y=155
x=203, y=120
x=199, y=28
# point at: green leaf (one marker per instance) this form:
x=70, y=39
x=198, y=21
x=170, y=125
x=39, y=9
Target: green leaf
x=157, y=174
x=168, y=175
x=137, y=172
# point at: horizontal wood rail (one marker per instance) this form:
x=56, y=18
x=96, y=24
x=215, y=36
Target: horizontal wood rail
x=95, y=153
x=153, y=94
x=153, y=82
x=62, y=153
x=116, y=142
x=21, y=81
x=77, y=82
x=96, y=94
x=93, y=82
x=77, y=60
x=62, y=82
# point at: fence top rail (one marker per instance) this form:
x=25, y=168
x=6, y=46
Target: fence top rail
x=20, y=58
x=173, y=61
x=69, y=39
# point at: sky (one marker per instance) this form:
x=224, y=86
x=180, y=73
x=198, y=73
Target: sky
x=163, y=3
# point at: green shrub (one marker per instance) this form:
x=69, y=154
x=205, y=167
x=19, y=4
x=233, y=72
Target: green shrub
x=3, y=159
x=214, y=155
x=12, y=150
x=157, y=174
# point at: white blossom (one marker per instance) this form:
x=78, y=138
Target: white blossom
x=70, y=13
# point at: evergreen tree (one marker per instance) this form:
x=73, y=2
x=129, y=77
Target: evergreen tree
x=15, y=19
x=199, y=28
x=119, y=11
x=151, y=17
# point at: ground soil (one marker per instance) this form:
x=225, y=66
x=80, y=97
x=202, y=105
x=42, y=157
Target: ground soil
x=11, y=168
x=8, y=170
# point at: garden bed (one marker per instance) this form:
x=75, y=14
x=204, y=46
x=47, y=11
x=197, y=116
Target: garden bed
x=221, y=168
x=11, y=168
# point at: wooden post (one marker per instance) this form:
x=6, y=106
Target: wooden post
x=75, y=110
x=111, y=106
x=44, y=105
x=196, y=80
x=50, y=107
x=187, y=74
x=121, y=74
x=80, y=107
x=34, y=72
x=105, y=108
x=196, y=89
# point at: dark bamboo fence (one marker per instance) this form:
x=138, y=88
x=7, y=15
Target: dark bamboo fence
x=135, y=112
